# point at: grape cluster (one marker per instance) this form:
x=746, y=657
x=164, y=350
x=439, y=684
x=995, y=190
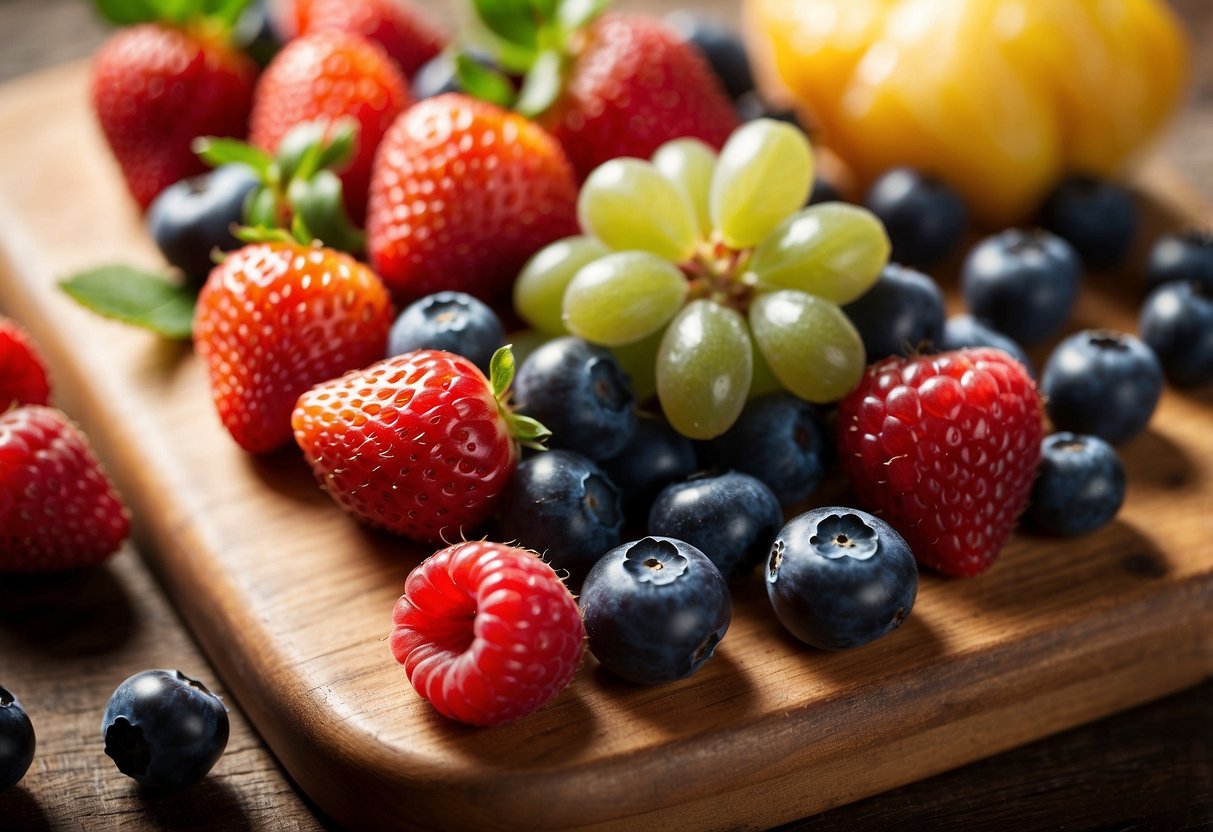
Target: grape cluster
x=710, y=278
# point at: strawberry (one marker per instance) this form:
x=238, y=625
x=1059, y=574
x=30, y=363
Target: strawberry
x=23, y=378
x=945, y=447
x=421, y=444
x=400, y=27
x=58, y=510
x=487, y=632
x=277, y=317
x=154, y=89
x=615, y=85
x=327, y=76
x=463, y=193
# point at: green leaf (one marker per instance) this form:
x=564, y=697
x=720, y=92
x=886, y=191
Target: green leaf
x=577, y=14
x=542, y=85
x=511, y=20
x=299, y=150
x=261, y=208
x=226, y=12
x=215, y=152
x=263, y=234
x=527, y=431
x=135, y=297
x=485, y=83
x=339, y=147
x=501, y=370
x=319, y=204
x=127, y=12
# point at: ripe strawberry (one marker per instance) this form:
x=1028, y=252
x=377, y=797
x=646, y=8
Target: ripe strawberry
x=463, y=193
x=275, y=318
x=58, y=510
x=325, y=76
x=154, y=89
x=945, y=447
x=419, y=444
x=400, y=27
x=487, y=633
x=23, y=378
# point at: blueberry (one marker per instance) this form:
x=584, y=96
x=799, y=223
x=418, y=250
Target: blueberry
x=778, y=439
x=581, y=394
x=731, y=517
x=654, y=610
x=657, y=456
x=1102, y=383
x=255, y=33
x=193, y=217
x=721, y=46
x=924, y=217
x=438, y=76
x=1189, y=257
x=1080, y=485
x=17, y=741
x=824, y=191
x=562, y=505
x=1177, y=324
x=164, y=729
x=961, y=331
x=1022, y=283
x=839, y=577
x=751, y=106
x=451, y=321
x=903, y=309
x=1097, y=217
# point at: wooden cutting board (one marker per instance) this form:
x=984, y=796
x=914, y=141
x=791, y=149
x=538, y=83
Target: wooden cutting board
x=292, y=600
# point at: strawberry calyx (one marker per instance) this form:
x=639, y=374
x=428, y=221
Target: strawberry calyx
x=534, y=39
x=526, y=431
x=206, y=20
x=299, y=190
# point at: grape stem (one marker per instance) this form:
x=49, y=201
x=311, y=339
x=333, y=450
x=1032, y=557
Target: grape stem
x=719, y=273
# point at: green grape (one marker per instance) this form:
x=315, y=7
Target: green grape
x=764, y=380
x=810, y=344
x=704, y=367
x=639, y=361
x=832, y=250
x=689, y=164
x=623, y=297
x=629, y=205
x=539, y=289
x=763, y=175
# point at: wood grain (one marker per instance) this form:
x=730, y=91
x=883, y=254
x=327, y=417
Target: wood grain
x=291, y=599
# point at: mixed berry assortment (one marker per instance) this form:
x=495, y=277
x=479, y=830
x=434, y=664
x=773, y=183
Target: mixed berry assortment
x=712, y=329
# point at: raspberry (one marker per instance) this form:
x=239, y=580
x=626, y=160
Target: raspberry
x=945, y=447
x=23, y=378
x=487, y=632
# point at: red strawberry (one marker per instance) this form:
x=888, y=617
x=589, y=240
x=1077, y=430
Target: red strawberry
x=945, y=447
x=419, y=444
x=23, y=378
x=407, y=35
x=486, y=632
x=58, y=510
x=275, y=318
x=326, y=76
x=463, y=194
x=154, y=89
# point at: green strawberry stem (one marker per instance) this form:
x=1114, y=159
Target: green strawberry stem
x=217, y=17
x=526, y=431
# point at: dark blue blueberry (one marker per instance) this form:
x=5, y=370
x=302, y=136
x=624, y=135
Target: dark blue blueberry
x=924, y=217
x=751, y=106
x=581, y=394
x=902, y=310
x=563, y=506
x=193, y=217
x=657, y=456
x=164, y=729
x=256, y=34
x=731, y=517
x=823, y=191
x=1080, y=485
x=1177, y=324
x=961, y=331
x=1022, y=283
x=17, y=741
x=1097, y=217
x=654, y=610
x=451, y=321
x=778, y=439
x=839, y=577
x=1102, y=383
x=1189, y=257
x=438, y=76
x=721, y=46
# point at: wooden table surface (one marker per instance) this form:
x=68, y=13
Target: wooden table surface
x=65, y=644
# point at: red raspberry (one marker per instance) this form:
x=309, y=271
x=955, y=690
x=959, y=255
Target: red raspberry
x=58, y=510
x=486, y=632
x=945, y=447
x=22, y=371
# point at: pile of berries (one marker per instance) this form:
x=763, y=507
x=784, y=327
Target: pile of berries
x=712, y=330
